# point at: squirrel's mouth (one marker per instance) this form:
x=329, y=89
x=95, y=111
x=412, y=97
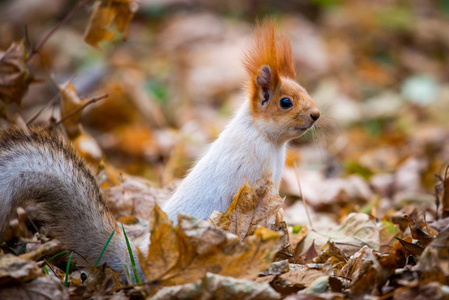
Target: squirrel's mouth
x=304, y=128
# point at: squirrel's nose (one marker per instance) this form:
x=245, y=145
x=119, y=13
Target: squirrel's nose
x=315, y=114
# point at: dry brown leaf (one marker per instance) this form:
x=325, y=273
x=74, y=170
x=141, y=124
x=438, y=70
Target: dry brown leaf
x=70, y=101
x=396, y=258
x=297, y=278
x=41, y=288
x=420, y=291
x=324, y=296
x=357, y=231
x=14, y=74
x=277, y=268
x=332, y=254
x=133, y=196
x=47, y=249
x=365, y=271
x=183, y=254
x=16, y=269
x=213, y=286
x=445, y=200
x=434, y=261
x=103, y=278
x=308, y=256
x=414, y=249
x=105, y=14
x=251, y=207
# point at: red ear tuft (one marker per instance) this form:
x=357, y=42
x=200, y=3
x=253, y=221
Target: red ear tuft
x=267, y=49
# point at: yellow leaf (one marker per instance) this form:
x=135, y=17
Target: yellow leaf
x=69, y=103
x=106, y=13
x=14, y=75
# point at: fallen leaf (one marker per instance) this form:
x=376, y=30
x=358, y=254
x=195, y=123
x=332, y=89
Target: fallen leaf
x=16, y=269
x=357, y=231
x=445, y=200
x=41, y=288
x=277, y=268
x=320, y=285
x=47, y=249
x=183, y=254
x=213, y=286
x=103, y=278
x=434, y=261
x=14, y=74
x=105, y=13
x=251, y=207
x=325, y=296
x=331, y=253
x=69, y=103
x=413, y=249
x=418, y=229
x=430, y=290
x=387, y=234
x=297, y=278
x=365, y=271
x=296, y=240
x=133, y=196
x=307, y=256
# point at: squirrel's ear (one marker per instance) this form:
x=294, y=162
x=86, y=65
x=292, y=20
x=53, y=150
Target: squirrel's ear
x=265, y=82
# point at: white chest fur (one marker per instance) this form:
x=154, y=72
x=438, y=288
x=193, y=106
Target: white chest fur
x=240, y=153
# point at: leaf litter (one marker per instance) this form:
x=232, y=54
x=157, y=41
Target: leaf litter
x=391, y=237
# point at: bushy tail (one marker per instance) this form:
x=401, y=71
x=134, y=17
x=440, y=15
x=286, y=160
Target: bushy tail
x=41, y=169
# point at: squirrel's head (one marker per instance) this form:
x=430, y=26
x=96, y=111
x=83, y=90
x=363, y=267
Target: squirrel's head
x=280, y=106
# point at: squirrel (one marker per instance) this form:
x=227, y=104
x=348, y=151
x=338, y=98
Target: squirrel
x=40, y=167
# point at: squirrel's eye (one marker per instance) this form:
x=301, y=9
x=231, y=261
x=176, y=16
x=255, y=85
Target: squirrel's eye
x=285, y=103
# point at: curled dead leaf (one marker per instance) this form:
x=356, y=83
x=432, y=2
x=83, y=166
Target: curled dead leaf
x=14, y=74
x=365, y=271
x=252, y=207
x=105, y=13
x=70, y=101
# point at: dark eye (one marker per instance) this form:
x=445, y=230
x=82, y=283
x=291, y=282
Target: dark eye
x=285, y=103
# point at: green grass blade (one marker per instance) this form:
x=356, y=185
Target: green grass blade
x=56, y=255
x=48, y=261
x=66, y=282
x=105, y=246
x=133, y=262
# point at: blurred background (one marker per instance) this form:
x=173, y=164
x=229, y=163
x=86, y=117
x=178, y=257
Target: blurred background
x=378, y=70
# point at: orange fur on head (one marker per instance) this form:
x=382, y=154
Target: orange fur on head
x=268, y=49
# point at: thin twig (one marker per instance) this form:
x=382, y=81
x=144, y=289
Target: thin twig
x=37, y=114
x=75, y=111
x=60, y=24
x=302, y=195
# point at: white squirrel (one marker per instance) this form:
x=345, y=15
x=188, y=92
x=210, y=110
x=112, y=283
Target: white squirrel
x=253, y=144
x=40, y=167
